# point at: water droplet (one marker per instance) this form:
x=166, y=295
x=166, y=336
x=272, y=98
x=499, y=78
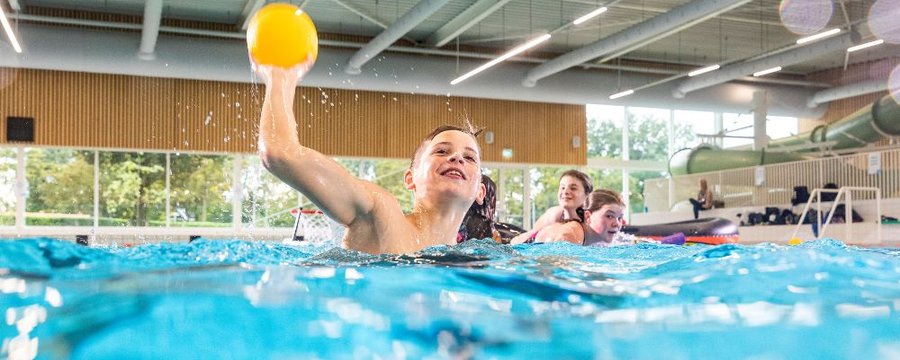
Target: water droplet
x=227, y=139
x=395, y=98
x=208, y=118
x=237, y=104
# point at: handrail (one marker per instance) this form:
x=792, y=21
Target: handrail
x=846, y=192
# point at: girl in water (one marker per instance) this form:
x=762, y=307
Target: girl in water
x=574, y=187
x=604, y=214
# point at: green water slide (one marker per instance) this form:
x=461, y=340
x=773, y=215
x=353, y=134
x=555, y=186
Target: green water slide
x=869, y=124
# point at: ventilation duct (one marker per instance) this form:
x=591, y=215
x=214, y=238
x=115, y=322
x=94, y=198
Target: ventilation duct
x=789, y=57
x=663, y=25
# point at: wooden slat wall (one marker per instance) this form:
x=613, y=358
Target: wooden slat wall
x=130, y=112
x=880, y=69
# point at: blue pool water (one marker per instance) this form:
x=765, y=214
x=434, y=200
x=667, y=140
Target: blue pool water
x=255, y=300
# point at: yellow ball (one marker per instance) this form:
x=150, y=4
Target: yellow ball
x=282, y=35
x=795, y=241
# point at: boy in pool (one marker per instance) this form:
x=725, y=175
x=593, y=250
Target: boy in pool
x=445, y=177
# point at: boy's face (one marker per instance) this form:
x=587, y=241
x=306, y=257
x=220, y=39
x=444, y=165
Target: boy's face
x=571, y=193
x=607, y=221
x=449, y=164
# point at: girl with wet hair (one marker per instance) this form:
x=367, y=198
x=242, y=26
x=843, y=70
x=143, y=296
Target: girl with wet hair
x=603, y=219
x=574, y=187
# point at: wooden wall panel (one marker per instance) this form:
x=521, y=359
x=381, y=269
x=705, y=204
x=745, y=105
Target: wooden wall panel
x=130, y=112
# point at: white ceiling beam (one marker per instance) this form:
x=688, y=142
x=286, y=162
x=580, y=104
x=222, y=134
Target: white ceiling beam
x=398, y=29
x=250, y=8
x=16, y=5
x=150, y=31
x=666, y=24
x=465, y=20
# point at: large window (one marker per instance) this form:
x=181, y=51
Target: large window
x=636, y=184
x=7, y=186
x=604, y=130
x=200, y=190
x=511, y=197
x=688, y=124
x=648, y=134
x=132, y=189
x=266, y=201
x=60, y=187
x=741, y=126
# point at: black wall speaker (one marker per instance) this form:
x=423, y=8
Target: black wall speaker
x=19, y=129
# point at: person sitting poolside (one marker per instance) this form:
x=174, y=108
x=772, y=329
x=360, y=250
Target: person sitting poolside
x=704, y=200
x=574, y=187
x=444, y=176
x=479, y=220
x=603, y=219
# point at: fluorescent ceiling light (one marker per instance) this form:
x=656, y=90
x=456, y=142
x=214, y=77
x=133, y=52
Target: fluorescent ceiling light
x=818, y=36
x=621, y=94
x=767, y=71
x=866, y=45
x=704, y=70
x=516, y=51
x=589, y=15
x=9, y=31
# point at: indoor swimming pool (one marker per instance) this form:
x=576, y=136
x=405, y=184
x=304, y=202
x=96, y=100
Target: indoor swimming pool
x=232, y=299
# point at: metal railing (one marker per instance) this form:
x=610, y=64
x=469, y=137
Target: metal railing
x=846, y=192
x=774, y=184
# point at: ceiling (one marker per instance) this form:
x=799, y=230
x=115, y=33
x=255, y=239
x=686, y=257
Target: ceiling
x=730, y=35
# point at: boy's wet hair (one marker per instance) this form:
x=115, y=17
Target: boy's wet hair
x=585, y=180
x=468, y=130
x=600, y=197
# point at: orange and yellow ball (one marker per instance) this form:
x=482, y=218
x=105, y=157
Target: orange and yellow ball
x=282, y=35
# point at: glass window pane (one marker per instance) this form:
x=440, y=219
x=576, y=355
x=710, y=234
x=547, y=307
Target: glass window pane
x=510, y=197
x=604, y=130
x=200, y=192
x=742, y=125
x=687, y=124
x=737, y=125
x=7, y=186
x=132, y=189
x=778, y=127
x=266, y=201
x=636, y=188
x=60, y=187
x=648, y=134
x=609, y=179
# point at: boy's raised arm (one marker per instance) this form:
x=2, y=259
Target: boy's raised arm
x=337, y=193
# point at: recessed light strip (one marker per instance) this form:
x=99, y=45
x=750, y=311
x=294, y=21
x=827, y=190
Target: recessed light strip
x=864, y=46
x=621, y=94
x=703, y=70
x=516, y=51
x=818, y=36
x=590, y=15
x=767, y=71
x=9, y=31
